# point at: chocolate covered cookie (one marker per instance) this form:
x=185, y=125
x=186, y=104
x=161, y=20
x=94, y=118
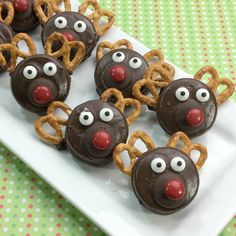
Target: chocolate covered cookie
x=165, y=180
x=187, y=105
x=74, y=26
x=121, y=67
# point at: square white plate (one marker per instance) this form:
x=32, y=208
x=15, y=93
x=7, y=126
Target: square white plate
x=105, y=194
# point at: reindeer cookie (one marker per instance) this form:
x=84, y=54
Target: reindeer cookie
x=187, y=105
x=75, y=26
x=121, y=67
x=92, y=129
x=24, y=16
x=165, y=180
x=40, y=79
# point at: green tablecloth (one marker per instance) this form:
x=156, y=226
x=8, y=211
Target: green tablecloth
x=190, y=34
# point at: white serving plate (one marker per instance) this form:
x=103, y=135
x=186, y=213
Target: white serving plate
x=105, y=194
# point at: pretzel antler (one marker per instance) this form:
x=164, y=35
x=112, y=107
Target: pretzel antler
x=96, y=16
x=5, y=5
x=122, y=102
x=188, y=146
x=15, y=52
x=65, y=50
x=112, y=46
x=215, y=82
x=134, y=153
x=54, y=121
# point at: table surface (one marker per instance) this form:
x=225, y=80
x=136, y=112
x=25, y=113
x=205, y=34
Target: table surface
x=190, y=34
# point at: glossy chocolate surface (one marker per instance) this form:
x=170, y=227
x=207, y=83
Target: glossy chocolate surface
x=149, y=186
x=79, y=138
x=104, y=66
x=172, y=113
x=22, y=88
x=89, y=37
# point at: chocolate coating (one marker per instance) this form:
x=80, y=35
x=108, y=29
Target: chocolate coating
x=79, y=138
x=6, y=36
x=22, y=88
x=149, y=186
x=89, y=37
x=25, y=21
x=104, y=80
x=172, y=113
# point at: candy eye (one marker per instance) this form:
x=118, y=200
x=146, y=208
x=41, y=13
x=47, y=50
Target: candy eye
x=182, y=94
x=135, y=63
x=202, y=95
x=50, y=69
x=158, y=165
x=118, y=57
x=106, y=114
x=60, y=22
x=80, y=26
x=30, y=72
x=86, y=118
x=178, y=164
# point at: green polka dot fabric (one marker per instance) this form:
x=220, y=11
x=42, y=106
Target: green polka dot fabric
x=190, y=34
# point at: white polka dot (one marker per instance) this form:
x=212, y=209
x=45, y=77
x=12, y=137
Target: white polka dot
x=7, y=219
x=81, y=228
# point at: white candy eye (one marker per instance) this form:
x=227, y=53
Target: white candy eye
x=80, y=26
x=118, y=57
x=86, y=118
x=178, y=164
x=60, y=22
x=30, y=72
x=50, y=69
x=158, y=165
x=202, y=95
x=135, y=63
x=182, y=94
x=106, y=114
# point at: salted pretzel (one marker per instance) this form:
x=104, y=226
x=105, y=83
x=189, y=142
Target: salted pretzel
x=10, y=12
x=65, y=50
x=214, y=82
x=15, y=52
x=54, y=121
x=122, y=102
x=112, y=46
x=135, y=153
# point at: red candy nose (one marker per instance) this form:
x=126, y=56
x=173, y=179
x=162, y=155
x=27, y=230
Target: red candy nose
x=102, y=140
x=118, y=73
x=174, y=190
x=68, y=36
x=20, y=5
x=42, y=95
x=195, y=117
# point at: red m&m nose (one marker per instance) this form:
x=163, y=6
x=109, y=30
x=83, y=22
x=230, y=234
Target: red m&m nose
x=68, y=36
x=101, y=140
x=118, y=73
x=42, y=95
x=174, y=190
x=195, y=117
x=20, y=5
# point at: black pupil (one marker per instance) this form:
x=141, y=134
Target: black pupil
x=79, y=25
x=60, y=21
x=135, y=60
x=118, y=54
x=86, y=117
x=50, y=67
x=159, y=164
x=179, y=163
x=182, y=93
x=204, y=94
x=107, y=113
x=30, y=72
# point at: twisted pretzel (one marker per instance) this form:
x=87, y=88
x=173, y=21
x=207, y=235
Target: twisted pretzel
x=96, y=15
x=134, y=153
x=54, y=121
x=56, y=4
x=15, y=52
x=215, y=82
x=43, y=15
x=10, y=12
x=122, y=102
x=65, y=50
x=112, y=46
x=188, y=147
